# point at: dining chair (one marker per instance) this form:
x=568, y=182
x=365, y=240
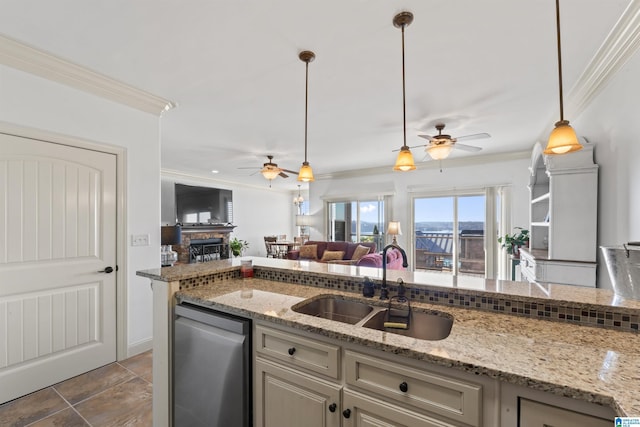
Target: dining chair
x=271, y=249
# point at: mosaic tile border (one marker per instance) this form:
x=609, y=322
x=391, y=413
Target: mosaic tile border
x=209, y=279
x=595, y=316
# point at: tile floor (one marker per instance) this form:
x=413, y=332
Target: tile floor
x=118, y=394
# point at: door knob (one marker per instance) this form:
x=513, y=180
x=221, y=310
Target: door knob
x=106, y=270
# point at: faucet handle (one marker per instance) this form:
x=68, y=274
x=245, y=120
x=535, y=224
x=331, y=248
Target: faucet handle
x=402, y=289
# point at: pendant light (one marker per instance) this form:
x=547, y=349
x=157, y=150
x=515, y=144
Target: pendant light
x=298, y=200
x=404, y=161
x=306, y=173
x=563, y=138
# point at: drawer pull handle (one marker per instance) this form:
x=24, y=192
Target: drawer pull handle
x=346, y=413
x=291, y=351
x=333, y=407
x=404, y=387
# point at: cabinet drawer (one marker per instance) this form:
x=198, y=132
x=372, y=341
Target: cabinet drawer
x=435, y=393
x=298, y=351
x=536, y=414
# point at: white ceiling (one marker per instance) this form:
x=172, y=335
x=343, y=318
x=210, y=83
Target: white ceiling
x=232, y=68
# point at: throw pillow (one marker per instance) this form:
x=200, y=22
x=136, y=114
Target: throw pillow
x=359, y=252
x=309, y=252
x=332, y=255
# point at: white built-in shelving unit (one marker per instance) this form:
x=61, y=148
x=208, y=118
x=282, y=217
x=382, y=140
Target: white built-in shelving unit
x=563, y=218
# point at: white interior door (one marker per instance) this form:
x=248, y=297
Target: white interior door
x=57, y=233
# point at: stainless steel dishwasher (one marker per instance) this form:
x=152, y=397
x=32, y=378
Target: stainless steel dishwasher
x=211, y=368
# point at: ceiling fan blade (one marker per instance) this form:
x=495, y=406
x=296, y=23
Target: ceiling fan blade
x=250, y=167
x=290, y=171
x=284, y=175
x=474, y=136
x=413, y=146
x=429, y=137
x=467, y=147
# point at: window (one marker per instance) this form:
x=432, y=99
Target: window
x=356, y=221
x=450, y=233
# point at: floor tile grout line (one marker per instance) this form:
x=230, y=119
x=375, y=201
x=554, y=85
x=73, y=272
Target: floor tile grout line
x=72, y=407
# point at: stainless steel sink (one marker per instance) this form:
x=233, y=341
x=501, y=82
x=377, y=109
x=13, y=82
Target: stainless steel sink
x=334, y=307
x=434, y=325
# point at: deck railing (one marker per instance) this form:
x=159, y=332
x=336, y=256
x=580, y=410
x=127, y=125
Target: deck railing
x=434, y=251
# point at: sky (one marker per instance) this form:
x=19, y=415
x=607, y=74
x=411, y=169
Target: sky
x=470, y=208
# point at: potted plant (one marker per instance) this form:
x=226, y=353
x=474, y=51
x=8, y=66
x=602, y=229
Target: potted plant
x=513, y=242
x=238, y=246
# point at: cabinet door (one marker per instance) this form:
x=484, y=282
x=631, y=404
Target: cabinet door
x=360, y=410
x=288, y=398
x=536, y=414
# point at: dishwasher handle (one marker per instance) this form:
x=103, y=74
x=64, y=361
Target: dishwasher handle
x=214, y=318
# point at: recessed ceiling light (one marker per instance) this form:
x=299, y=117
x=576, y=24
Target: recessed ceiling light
x=215, y=171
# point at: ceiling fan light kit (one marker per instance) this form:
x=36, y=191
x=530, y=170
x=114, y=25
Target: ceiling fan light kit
x=404, y=161
x=439, y=152
x=306, y=173
x=563, y=138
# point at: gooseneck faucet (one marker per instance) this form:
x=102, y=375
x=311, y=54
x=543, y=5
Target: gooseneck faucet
x=384, y=291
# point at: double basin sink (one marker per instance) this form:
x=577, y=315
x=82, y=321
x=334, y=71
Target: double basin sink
x=425, y=325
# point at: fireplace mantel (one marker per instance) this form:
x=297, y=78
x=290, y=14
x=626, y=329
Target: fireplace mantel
x=208, y=228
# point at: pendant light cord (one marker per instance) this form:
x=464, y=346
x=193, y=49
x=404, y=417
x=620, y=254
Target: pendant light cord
x=404, y=107
x=559, y=59
x=306, y=104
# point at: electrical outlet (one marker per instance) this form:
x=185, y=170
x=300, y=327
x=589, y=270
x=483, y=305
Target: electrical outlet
x=140, y=240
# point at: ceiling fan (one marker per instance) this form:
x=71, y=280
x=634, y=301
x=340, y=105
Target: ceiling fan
x=440, y=145
x=271, y=170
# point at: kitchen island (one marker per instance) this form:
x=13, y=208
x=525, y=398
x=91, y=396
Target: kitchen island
x=589, y=351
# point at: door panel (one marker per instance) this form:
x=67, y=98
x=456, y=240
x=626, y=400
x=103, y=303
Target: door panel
x=57, y=231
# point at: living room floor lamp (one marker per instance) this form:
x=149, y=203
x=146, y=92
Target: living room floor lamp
x=404, y=161
x=563, y=138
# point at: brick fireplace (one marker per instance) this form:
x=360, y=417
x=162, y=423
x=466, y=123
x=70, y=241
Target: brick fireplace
x=200, y=235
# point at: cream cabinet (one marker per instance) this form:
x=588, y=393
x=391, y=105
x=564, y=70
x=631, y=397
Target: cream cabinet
x=300, y=380
x=563, y=218
x=525, y=407
x=286, y=397
x=364, y=411
x=536, y=414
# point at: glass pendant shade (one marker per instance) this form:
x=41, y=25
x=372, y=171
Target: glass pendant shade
x=404, y=161
x=306, y=173
x=270, y=173
x=439, y=152
x=563, y=139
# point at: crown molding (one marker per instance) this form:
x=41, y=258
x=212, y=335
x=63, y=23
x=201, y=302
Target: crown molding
x=177, y=175
x=34, y=61
x=427, y=165
x=620, y=45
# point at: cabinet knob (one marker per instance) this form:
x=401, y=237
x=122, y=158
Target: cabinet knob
x=291, y=351
x=346, y=413
x=404, y=387
x=333, y=407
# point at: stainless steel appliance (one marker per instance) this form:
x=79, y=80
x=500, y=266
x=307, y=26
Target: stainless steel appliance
x=212, y=368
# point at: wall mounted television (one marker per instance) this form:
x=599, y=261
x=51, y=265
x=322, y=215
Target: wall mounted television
x=203, y=205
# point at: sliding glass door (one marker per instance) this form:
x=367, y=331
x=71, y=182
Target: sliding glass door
x=356, y=221
x=450, y=234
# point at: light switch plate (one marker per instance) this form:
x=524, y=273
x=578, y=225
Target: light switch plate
x=140, y=240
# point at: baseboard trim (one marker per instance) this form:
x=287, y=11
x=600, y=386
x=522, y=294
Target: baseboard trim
x=139, y=347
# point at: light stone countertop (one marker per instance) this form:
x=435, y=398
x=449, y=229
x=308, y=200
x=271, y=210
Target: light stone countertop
x=591, y=364
x=443, y=281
